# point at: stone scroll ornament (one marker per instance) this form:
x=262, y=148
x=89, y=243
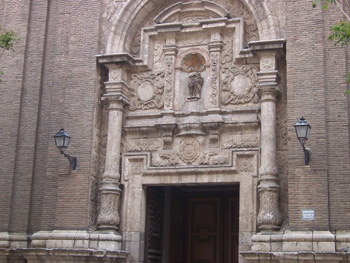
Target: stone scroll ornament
x=239, y=84
x=146, y=91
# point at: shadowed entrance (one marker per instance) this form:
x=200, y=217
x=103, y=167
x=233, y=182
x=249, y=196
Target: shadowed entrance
x=190, y=224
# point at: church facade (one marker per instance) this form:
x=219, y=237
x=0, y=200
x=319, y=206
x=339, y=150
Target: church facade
x=181, y=116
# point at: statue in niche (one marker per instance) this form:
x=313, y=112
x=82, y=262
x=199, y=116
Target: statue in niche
x=193, y=64
x=195, y=84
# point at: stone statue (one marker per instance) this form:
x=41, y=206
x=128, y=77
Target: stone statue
x=195, y=84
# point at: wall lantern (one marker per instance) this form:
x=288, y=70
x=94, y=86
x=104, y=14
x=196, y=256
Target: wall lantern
x=302, y=129
x=62, y=141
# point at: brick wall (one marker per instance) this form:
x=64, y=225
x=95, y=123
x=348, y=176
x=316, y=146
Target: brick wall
x=50, y=82
x=316, y=85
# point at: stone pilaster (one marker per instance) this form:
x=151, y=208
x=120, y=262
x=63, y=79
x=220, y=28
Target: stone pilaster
x=170, y=51
x=269, y=217
x=215, y=47
x=116, y=97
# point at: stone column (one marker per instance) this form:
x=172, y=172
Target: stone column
x=116, y=96
x=269, y=217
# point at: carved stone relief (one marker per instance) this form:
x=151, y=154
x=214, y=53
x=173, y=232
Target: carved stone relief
x=158, y=57
x=238, y=9
x=146, y=91
x=226, y=56
x=205, y=157
x=245, y=165
x=193, y=62
x=214, y=74
x=239, y=141
x=136, y=168
x=167, y=158
x=135, y=46
x=238, y=84
x=189, y=150
x=111, y=8
x=192, y=40
x=169, y=69
x=143, y=145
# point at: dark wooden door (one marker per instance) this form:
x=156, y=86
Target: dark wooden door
x=154, y=225
x=205, y=230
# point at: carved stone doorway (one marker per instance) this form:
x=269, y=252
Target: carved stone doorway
x=192, y=224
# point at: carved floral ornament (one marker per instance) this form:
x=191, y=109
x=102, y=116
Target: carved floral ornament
x=238, y=84
x=146, y=91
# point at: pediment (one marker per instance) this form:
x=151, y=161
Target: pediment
x=191, y=12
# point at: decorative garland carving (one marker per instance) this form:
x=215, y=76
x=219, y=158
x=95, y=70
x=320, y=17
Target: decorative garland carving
x=239, y=84
x=189, y=150
x=214, y=73
x=169, y=68
x=168, y=158
x=146, y=91
x=143, y=145
x=205, y=157
x=243, y=141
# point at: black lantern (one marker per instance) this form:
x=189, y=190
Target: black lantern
x=302, y=129
x=62, y=141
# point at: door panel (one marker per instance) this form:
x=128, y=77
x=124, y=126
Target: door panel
x=203, y=227
x=154, y=225
x=205, y=231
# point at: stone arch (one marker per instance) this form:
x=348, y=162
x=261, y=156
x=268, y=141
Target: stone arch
x=136, y=11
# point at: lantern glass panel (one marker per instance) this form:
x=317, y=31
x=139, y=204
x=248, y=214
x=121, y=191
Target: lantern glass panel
x=302, y=131
x=66, y=141
x=59, y=141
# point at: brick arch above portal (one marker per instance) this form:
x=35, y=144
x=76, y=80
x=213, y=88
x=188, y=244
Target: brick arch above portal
x=135, y=12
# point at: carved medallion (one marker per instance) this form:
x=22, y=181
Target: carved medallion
x=189, y=150
x=146, y=91
x=238, y=85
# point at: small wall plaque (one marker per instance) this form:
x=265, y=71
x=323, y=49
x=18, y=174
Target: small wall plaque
x=308, y=214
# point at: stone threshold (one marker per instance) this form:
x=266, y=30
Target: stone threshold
x=36, y=255
x=63, y=239
x=295, y=257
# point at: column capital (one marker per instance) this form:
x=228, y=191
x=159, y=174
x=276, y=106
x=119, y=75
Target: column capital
x=215, y=46
x=170, y=50
x=116, y=93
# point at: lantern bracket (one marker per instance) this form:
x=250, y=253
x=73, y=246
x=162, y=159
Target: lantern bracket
x=72, y=160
